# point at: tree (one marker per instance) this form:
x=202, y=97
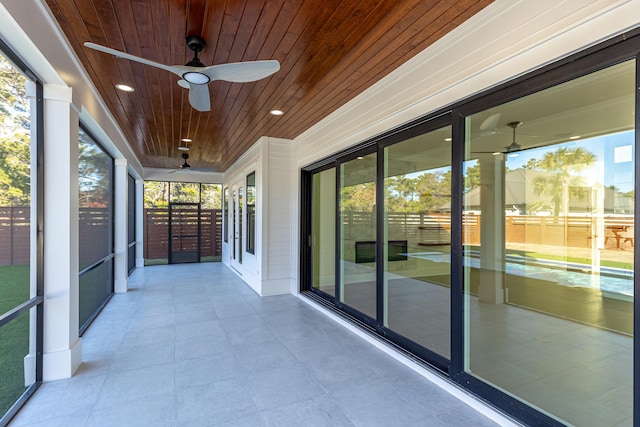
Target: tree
x=211, y=196
x=156, y=194
x=562, y=166
x=15, y=140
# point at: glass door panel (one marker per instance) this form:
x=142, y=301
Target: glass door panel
x=549, y=247
x=236, y=215
x=323, y=231
x=417, y=239
x=357, y=212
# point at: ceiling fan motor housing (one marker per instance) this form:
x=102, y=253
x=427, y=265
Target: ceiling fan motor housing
x=196, y=43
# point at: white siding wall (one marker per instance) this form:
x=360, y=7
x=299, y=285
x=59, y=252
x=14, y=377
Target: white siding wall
x=276, y=262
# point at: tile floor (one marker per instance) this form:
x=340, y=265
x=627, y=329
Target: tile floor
x=192, y=345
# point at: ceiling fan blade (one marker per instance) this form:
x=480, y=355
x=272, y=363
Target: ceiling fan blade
x=130, y=57
x=490, y=124
x=241, y=72
x=199, y=97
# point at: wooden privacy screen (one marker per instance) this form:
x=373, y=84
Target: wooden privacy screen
x=156, y=235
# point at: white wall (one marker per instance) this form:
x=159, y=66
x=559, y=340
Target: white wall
x=268, y=271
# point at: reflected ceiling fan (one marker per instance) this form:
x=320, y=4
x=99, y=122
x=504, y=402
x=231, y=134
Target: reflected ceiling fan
x=196, y=76
x=511, y=148
x=187, y=167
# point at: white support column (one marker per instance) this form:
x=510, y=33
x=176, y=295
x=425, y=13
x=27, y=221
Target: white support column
x=120, y=270
x=30, y=359
x=492, y=242
x=139, y=223
x=62, y=345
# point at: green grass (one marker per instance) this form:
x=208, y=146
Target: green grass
x=14, y=336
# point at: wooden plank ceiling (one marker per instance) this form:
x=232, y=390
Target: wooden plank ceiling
x=329, y=51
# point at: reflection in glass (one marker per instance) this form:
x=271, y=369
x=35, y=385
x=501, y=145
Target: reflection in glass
x=323, y=231
x=358, y=234
x=417, y=262
x=251, y=212
x=548, y=247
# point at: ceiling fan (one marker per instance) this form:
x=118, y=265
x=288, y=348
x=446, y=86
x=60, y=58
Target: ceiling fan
x=511, y=148
x=195, y=76
x=187, y=167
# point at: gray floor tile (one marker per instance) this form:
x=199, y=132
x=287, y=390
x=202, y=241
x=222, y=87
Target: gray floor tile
x=147, y=411
x=317, y=412
x=220, y=400
x=283, y=386
x=181, y=349
x=373, y=404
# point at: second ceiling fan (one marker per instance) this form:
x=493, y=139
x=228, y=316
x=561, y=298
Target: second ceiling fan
x=196, y=76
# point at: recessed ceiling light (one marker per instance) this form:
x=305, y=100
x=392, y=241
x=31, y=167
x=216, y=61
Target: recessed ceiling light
x=447, y=139
x=575, y=137
x=276, y=112
x=124, y=88
x=186, y=140
x=183, y=148
x=360, y=157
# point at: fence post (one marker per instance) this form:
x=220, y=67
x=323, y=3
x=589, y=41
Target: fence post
x=11, y=225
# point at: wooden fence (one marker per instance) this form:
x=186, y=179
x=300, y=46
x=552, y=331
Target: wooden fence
x=416, y=228
x=14, y=235
x=156, y=233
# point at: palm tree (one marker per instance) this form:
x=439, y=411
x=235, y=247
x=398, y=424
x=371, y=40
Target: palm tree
x=562, y=165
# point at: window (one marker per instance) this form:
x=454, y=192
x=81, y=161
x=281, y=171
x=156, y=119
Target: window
x=95, y=185
x=131, y=223
x=21, y=207
x=225, y=212
x=251, y=213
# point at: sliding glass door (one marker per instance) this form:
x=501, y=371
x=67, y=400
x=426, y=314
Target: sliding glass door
x=323, y=231
x=392, y=246
x=549, y=261
x=357, y=213
x=495, y=240
x=417, y=239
